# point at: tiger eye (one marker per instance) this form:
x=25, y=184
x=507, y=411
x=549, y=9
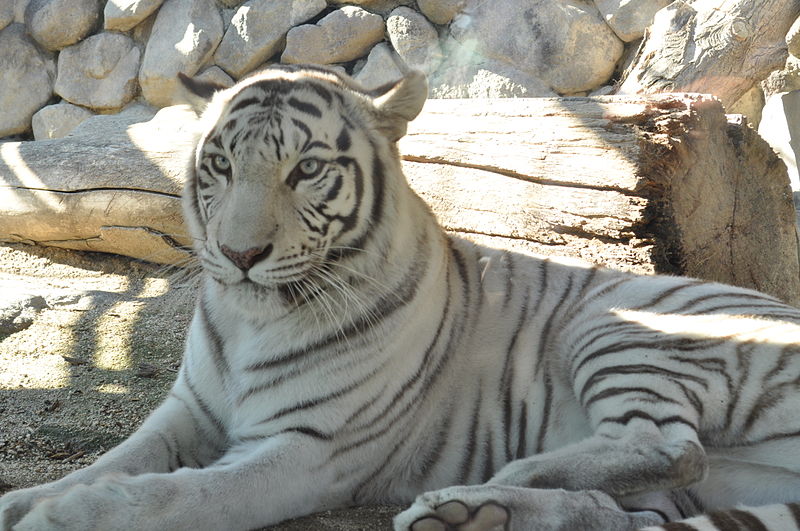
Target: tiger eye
x=222, y=163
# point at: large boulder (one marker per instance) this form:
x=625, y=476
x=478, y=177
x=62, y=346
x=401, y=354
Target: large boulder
x=629, y=18
x=27, y=81
x=440, y=11
x=99, y=72
x=122, y=15
x=184, y=37
x=380, y=68
x=56, y=24
x=543, y=38
x=384, y=7
x=342, y=35
x=415, y=39
x=57, y=121
x=6, y=13
x=257, y=32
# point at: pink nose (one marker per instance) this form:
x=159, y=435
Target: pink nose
x=244, y=260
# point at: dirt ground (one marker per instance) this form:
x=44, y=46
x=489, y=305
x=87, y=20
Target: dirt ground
x=93, y=362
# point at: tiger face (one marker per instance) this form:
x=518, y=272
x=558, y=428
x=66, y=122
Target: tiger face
x=287, y=174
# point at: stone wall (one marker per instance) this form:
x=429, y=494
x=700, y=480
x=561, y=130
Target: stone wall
x=64, y=60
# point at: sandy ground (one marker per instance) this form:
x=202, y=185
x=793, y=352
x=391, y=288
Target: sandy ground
x=94, y=362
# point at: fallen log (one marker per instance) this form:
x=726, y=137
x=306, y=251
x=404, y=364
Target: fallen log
x=650, y=184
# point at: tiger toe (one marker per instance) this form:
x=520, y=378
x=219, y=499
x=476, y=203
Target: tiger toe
x=457, y=516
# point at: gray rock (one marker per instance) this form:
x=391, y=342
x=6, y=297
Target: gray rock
x=384, y=7
x=380, y=67
x=26, y=83
x=56, y=24
x=793, y=38
x=122, y=15
x=6, y=13
x=440, y=11
x=18, y=310
x=57, y=121
x=184, y=37
x=216, y=75
x=415, y=39
x=780, y=118
x=257, y=32
x=785, y=80
x=19, y=10
x=343, y=35
x=100, y=72
x=467, y=74
x=230, y=3
x=543, y=38
x=629, y=18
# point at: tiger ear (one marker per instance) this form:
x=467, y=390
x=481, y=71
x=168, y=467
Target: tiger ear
x=400, y=102
x=196, y=93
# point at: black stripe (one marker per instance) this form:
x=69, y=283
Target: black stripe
x=507, y=373
x=335, y=188
x=749, y=521
x=244, y=102
x=306, y=131
x=522, y=450
x=311, y=432
x=794, y=508
x=215, y=421
x=472, y=435
x=640, y=368
x=683, y=344
x=314, y=402
x=725, y=522
x=548, y=326
x=437, y=449
x=343, y=141
x=304, y=106
x=726, y=295
x=678, y=526
x=320, y=90
x=616, y=391
x=546, y=407
x=214, y=340
x=666, y=293
x=639, y=414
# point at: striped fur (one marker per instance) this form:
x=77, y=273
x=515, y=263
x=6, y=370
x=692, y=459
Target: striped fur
x=344, y=351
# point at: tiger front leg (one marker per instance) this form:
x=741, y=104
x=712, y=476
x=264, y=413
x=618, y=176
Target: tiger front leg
x=527, y=494
x=253, y=485
x=167, y=439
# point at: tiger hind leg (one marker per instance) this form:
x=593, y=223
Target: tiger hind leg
x=501, y=507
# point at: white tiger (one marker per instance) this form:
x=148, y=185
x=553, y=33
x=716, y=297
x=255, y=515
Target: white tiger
x=345, y=351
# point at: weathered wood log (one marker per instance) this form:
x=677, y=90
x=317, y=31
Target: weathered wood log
x=650, y=184
x=719, y=47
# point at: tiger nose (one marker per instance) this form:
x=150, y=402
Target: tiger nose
x=244, y=260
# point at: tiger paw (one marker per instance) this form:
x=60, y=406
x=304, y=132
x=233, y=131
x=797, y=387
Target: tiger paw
x=456, y=516
x=454, y=509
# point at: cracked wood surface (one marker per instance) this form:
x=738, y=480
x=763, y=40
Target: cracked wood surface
x=650, y=184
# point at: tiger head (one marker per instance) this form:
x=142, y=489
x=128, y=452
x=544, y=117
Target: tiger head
x=294, y=168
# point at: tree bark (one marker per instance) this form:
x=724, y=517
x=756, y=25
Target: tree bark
x=719, y=47
x=650, y=184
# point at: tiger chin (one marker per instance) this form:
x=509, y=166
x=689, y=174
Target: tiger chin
x=345, y=351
